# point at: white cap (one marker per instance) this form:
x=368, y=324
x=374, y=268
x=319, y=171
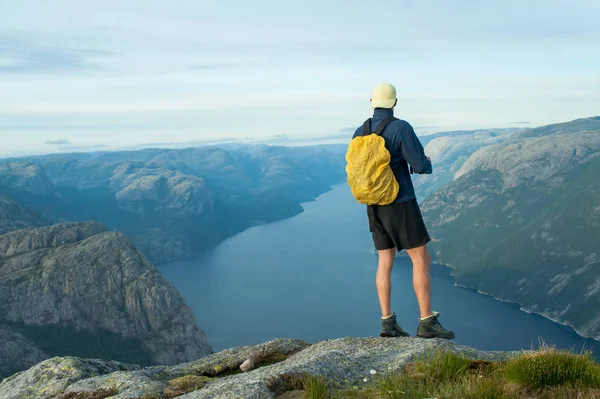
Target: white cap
x=384, y=96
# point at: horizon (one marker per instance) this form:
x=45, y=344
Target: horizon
x=121, y=75
x=65, y=147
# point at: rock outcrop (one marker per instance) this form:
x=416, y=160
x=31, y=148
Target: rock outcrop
x=279, y=365
x=73, y=279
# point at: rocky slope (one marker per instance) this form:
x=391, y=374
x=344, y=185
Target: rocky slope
x=521, y=221
x=173, y=203
x=279, y=363
x=450, y=150
x=78, y=289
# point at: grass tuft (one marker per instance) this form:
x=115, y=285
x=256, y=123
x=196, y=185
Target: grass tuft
x=314, y=387
x=442, y=365
x=393, y=386
x=549, y=367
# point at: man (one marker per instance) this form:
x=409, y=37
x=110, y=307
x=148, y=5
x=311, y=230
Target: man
x=400, y=225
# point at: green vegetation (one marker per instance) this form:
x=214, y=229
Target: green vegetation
x=100, y=344
x=546, y=373
x=551, y=367
x=442, y=365
x=314, y=387
x=181, y=386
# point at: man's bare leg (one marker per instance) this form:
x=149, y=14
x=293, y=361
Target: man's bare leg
x=384, y=280
x=421, y=278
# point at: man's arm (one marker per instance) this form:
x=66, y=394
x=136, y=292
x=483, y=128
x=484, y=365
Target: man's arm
x=413, y=152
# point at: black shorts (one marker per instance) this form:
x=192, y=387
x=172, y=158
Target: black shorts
x=399, y=225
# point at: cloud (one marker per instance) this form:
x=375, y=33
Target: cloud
x=21, y=56
x=58, y=142
x=520, y=123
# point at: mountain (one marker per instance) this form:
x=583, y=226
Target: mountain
x=173, y=203
x=77, y=289
x=279, y=367
x=521, y=221
x=25, y=178
x=450, y=150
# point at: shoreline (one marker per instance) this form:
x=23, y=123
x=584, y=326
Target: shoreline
x=521, y=306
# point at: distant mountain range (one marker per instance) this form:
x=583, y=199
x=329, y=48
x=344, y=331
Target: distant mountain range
x=450, y=150
x=172, y=203
x=521, y=221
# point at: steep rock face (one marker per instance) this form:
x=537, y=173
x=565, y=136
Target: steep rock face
x=79, y=277
x=521, y=221
x=346, y=361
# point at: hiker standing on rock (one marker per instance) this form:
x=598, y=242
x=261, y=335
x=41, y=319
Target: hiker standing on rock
x=378, y=161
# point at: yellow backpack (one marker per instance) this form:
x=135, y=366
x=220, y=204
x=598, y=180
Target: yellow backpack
x=370, y=176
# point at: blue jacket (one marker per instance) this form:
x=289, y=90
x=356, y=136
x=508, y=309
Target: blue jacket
x=405, y=149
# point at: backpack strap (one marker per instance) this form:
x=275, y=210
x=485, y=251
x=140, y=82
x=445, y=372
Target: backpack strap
x=380, y=128
x=383, y=124
x=367, y=127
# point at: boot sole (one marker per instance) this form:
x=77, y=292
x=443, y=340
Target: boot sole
x=384, y=335
x=433, y=335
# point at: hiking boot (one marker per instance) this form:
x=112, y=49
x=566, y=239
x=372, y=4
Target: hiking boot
x=389, y=328
x=430, y=327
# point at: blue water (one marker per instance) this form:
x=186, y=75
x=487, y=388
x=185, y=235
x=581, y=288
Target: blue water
x=313, y=277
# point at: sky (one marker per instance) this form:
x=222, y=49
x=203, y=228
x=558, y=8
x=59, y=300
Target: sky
x=83, y=75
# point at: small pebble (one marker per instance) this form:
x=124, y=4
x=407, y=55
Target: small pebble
x=373, y=372
x=365, y=380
